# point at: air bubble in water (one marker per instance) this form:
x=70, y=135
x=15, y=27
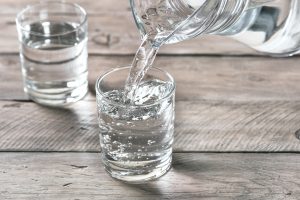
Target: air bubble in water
x=150, y=142
x=106, y=139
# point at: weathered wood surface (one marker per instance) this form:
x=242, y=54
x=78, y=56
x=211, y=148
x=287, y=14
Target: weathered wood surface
x=206, y=126
x=112, y=31
x=49, y=176
x=197, y=77
x=224, y=104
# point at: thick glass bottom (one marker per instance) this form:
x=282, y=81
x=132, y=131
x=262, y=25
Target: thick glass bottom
x=141, y=175
x=56, y=95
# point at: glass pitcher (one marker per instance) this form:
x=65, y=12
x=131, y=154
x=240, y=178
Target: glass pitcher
x=268, y=26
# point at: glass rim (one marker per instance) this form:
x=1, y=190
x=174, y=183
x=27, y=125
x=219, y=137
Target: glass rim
x=29, y=7
x=101, y=78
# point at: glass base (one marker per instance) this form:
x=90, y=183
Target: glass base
x=57, y=97
x=140, y=175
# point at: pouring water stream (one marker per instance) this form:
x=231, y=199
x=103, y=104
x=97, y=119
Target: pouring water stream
x=146, y=55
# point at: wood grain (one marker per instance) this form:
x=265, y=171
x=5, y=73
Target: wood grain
x=224, y=104
x=197, y=78
x=30, y=176
x=113, y=31
x=205, y=126
x=221, y=78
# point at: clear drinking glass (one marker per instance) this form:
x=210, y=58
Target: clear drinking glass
x=136, y=139
x=53, y=52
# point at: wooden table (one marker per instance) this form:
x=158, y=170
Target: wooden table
x=237, y=120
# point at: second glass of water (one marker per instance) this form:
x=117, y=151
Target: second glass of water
x=53, y=51
x=136, y=138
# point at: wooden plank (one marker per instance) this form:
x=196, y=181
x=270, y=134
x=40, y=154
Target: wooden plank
x=64, y=176
x=113, y=31
x=221, y=78
x=92, y=7
x=197, y=78
x=206, y=126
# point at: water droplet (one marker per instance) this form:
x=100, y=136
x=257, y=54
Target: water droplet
x=130, y=138
x=139, y=150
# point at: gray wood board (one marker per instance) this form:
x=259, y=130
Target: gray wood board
x=205, y=126
x=35, y=176
x=197, y=77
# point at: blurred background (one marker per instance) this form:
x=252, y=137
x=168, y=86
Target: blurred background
x=112, y=31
